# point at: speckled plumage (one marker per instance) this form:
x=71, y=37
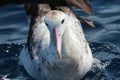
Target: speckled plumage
x=76, y=55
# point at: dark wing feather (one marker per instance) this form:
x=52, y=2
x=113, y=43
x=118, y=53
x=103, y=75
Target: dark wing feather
x=64, y=5
x=81, y=4
x=39, y=10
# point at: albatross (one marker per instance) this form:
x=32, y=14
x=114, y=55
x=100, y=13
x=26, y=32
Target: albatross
x=60, y=49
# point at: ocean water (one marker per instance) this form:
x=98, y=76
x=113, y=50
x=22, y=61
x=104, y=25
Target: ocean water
x=104, y=40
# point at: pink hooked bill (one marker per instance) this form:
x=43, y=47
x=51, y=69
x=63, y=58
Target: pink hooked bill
x=58, y=40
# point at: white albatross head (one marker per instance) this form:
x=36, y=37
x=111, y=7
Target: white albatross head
x=55, y=21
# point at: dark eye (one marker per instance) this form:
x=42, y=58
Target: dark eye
x=62, y=21
x=46, y=24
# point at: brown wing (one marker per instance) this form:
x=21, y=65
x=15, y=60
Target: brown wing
x=38, y=10
x=28, y=7
x=81, y=4
x=64, y=5
x=88, y=22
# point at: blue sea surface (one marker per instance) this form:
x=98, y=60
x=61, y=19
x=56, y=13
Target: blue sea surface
x=104, y=39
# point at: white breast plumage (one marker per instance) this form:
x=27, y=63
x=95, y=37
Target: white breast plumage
x=62, y=51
